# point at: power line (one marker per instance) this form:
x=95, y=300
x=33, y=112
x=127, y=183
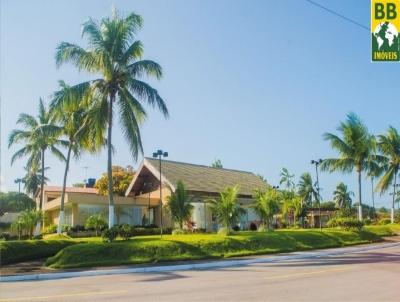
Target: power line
x=338, y=14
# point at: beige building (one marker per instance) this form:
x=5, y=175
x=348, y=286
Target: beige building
x=141, y=203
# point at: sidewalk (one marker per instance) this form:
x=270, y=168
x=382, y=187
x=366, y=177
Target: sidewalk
x=36, y=271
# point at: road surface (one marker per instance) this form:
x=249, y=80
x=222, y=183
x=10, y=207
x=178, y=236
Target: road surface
x=366, y=276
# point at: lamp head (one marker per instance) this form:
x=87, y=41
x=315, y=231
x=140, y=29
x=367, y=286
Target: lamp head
x=155, y=154
x=165, y=154
x=159, y=152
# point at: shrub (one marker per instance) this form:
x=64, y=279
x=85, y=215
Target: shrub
x=50, y=229
x=5, y=236
x=110, y=234
x=77, y=228
x=125, y=231
x=262, y=228
x=367, y=221
x=253, y=227
x=17, y=251
x=150, y=231
x=96, y=222
x=384, y=221
x=346, y=223
x=236, y=228
x=224, y=231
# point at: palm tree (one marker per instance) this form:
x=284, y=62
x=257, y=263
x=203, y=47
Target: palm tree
x=226, y=209
x=73, y=117
x=287, y=179
x=389, y=145
x=40, y=134
x=354, y=149
x=179, y=205
x=115, y=55
x=33, y=178
x=265, y=205
x=342, y=197
x=298, y=209
x=375, y=168
x=306, y=189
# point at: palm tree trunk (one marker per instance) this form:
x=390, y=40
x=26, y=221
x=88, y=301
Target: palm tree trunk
x=38, y=225
x=61, y=216
x=394, y=196
x=359, y=197
x=109, y=164
x=373, y=197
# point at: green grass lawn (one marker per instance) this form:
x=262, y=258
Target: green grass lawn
x=152, y=249
x=67, y=252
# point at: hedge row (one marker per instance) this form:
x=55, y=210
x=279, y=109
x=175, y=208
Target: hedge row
x=18, y=251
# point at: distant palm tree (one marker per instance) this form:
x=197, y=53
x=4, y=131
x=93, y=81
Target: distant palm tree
x=114, y=54
x=354, y=149
x=226, y=208
x=40, y=134
x=306, y=189
x=33, y=178
x=179, y=205
x=217, y=164
x=298, y=209
x=389, y=145
x=74, y=118
x=342, y=197
x=287, y=179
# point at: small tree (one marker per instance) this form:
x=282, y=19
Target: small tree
x=121, y=177
x=266, y=205
x=217, y=164
x=26, y=221
x=226, y=209
x=96, y=222
x=179, y=205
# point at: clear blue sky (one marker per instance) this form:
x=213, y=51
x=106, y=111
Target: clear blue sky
x=255, y=84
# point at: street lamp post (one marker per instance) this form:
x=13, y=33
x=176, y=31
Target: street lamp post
x=160, y=154
x=316, y=163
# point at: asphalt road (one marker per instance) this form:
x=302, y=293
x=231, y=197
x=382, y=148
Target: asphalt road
x=366, y=276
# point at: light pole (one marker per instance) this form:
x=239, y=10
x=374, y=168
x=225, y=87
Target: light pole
x=160, y=154
x=316, y=163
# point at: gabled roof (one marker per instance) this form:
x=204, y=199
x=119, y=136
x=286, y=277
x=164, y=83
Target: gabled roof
x=202, y=178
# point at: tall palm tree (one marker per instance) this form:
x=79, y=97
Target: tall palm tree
x=179, y=205
x=114, y=53
x=389, y=145
x=226, y=208
x=33, y=178
x=40, y=134
x=375, y=168
x=342, y=197
x=306, y=189
x=74, y=118
x=354, y=148
x=287, y=179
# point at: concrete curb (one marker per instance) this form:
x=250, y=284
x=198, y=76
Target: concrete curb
x=199, y=266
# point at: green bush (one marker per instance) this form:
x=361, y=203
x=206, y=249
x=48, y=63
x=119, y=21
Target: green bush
x=224, y=231
x=109, y=235
x=150, y=231
x=50, y=229
x=125, y=231
x=17, y=251
x=384, y=221
x=96, y=222
x=346, y=223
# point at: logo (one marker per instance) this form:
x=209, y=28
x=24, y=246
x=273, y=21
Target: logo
x=385, y=27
